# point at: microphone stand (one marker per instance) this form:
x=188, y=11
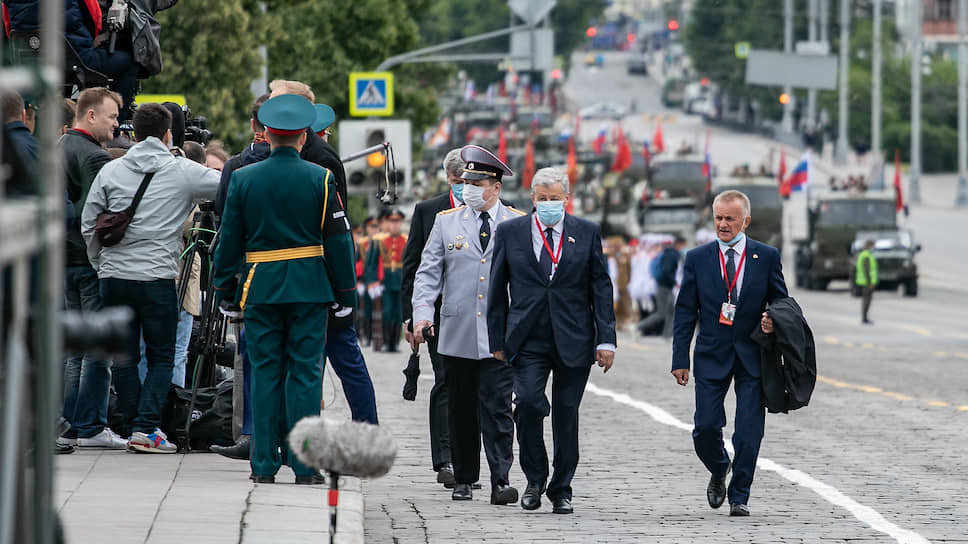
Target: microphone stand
x=333, y=502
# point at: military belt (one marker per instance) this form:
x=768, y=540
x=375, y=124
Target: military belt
x=276, y=255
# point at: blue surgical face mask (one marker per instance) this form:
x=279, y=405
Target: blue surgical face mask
x=735, y=240
x=550, y=211
x=458, y=190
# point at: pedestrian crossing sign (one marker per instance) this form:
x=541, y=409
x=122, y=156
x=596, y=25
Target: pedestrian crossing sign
x=371, y=93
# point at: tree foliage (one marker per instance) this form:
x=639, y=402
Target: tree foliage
x=209, y=54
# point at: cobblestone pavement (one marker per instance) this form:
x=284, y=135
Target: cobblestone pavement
x=871, y=440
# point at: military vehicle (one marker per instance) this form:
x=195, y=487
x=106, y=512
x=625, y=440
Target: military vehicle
x=833, y=221
x=673, y=92
x=894, y=250
x=678, y=176
x=676, y=216
x=767, y=206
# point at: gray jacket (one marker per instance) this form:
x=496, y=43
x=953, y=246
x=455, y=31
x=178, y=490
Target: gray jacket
x=453, y=265
x=152, y=244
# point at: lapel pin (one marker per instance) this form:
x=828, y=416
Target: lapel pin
x=460, y=236
x=450, y=246
x=571, y=240
x=755, y=256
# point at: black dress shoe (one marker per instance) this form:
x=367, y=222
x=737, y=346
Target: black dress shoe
x=531, y=500
x=739, y=510
x=240, y=450
x=462, y=492
x=716, y=490
x=503, y=494
x=562, y=506
x=314, y=479
x=445, y=475
x=263, y=479
x=62, y=449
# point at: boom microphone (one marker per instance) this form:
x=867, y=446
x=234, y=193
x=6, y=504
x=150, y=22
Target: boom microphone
x=352, y=448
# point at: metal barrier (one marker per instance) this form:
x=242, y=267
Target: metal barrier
x=32, y=261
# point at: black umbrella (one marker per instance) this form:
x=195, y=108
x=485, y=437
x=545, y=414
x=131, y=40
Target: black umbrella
x=412, y=372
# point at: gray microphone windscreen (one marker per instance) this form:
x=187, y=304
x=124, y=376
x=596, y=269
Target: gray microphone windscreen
x=353, y=448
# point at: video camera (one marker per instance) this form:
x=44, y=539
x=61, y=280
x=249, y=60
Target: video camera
x=116, y=20
x=196, y=128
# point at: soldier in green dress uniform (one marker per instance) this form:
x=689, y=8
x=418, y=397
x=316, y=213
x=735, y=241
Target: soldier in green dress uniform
x=284, y=226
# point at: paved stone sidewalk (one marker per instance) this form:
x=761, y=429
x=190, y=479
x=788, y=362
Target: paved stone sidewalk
x=638, y=480
x=115, y=497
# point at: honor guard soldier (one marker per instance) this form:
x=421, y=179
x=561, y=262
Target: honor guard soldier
x=370, y=275
x=391, y=254
x=456, y=265
x=283, y=221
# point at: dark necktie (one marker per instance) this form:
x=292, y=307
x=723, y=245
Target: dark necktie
x=485, y=230
x=731, y=272
x=545, y=261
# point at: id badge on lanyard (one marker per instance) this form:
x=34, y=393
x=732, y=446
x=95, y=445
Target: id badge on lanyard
x=727, y=312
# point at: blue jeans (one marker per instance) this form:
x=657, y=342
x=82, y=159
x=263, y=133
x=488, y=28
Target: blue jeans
x=86, y=378
x=155, y=305
x=182, y=336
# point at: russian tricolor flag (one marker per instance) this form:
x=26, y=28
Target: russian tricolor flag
x=598, y=144
x=797, y=180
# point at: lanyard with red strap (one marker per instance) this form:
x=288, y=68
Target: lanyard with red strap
x=554, y=258
x=730, y=285
x=451, y=195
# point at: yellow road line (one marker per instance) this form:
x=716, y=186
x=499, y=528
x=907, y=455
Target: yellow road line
x=916, y=330
x=878, y=391
x=963, y=408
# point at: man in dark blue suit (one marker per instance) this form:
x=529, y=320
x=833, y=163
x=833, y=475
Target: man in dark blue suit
x=726, y=286
x=559, y=319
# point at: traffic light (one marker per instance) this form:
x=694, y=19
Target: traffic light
x=784, y=98
x=378, y=158
x=673, y=25
x=630, y=37
x=591, y=32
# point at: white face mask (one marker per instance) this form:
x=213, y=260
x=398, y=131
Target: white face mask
x=474, y=197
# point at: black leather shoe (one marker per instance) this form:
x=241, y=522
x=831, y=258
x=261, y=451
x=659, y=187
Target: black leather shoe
x=739, y=510
x=445, y=475
x=531, y=500
x=462, y=492
x=562, y=506
x=716, y=490
x=240, y=450
x=314, y=479
x=503, y=494
x=263, y=479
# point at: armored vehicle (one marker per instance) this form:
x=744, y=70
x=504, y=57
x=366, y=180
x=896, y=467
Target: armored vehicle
x=894, y=250
x=833, y=221
x=679, y=176
x=672, y=216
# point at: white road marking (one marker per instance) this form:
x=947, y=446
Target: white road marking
x=863, y=513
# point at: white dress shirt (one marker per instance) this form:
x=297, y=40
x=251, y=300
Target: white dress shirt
x=537, y=243
x=490, y=214
x=739, y=247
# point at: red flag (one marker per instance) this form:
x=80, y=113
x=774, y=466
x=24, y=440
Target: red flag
x=572, y=161
x=898, y=197
x=707, y=167
x=502, y=144
x=623, y=155
x=657, y=144
x=528, y=165
x=781, y=171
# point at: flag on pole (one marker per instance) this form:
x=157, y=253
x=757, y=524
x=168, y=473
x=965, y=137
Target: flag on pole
x=797, y=180
x=707, y=167
x=781, y=171
x=529, y=168
x=502, y=144
x=572, y=161
x=898, y=197
x=657, y=142
x=441, y=135
x=646, y=155
x=598, y=145
x=623, y=155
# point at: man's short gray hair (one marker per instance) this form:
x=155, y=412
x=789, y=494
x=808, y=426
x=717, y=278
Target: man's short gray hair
x=731, y=195
x=548, y=177
x=453, y=163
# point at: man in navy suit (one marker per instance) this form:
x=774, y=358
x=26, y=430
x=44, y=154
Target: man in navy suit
x=559, y=319
x=726, y=286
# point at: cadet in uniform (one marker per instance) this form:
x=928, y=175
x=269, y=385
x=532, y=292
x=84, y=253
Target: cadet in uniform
x=283, y=220
x=456, y=264
x=391, y=253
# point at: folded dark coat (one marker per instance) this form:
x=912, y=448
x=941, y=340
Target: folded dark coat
x=788, y=358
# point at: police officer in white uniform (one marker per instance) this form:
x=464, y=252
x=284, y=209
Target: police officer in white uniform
x=456, y=264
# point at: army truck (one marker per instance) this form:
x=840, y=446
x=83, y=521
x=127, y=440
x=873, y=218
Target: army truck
x=894, y=250
x=678, y=176
x=833, y=221
x=676, y=216
x=767, y=206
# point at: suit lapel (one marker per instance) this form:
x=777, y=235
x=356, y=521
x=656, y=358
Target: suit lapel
x=568, y=248
x=750, y=267
x=527, y=242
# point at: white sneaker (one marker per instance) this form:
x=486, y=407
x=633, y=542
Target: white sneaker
x=104, y=439
x=62, y=441
x=155, y=442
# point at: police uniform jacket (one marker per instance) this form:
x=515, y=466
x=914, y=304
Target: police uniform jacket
x=454, y=266
x=277, y=206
